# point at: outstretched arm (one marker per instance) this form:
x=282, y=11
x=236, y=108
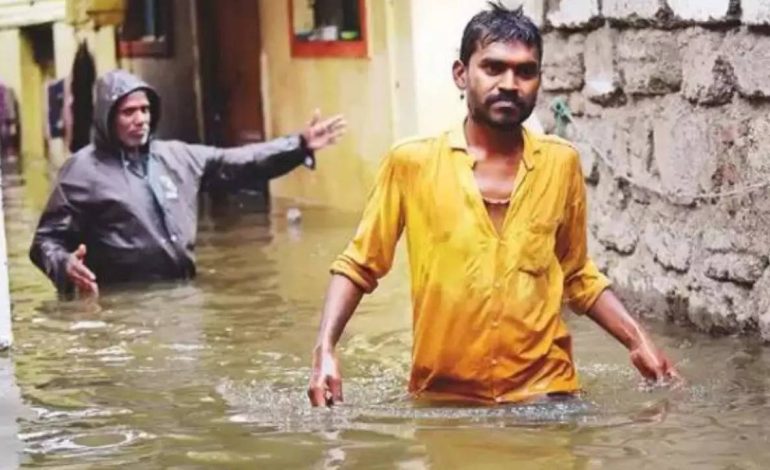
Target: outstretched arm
x=239, y=166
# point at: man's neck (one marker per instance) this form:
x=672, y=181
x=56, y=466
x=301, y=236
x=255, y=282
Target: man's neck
x=486, y=142
x=132, y=153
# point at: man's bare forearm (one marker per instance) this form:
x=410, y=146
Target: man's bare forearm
x=609, y=313
x=342, y=298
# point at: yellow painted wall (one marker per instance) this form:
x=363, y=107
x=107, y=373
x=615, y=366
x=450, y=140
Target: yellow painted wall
x=34, y=163
x=359, y=88
x=31, y=98
x=102, y=45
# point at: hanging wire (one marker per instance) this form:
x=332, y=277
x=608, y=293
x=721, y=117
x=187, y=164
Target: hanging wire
x=563, y=117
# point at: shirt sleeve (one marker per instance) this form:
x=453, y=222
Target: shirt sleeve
x=369, y=256
x=239, y=166
x=583, y=283
x=58, y=233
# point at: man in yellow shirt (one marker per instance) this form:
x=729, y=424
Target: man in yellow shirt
x=495, y=222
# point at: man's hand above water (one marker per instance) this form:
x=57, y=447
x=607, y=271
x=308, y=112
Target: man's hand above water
x=321, y=133
x=325, y=387
x=651, y=362
x=79, y=274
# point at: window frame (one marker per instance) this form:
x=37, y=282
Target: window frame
x=158, y=47
x=321, y=49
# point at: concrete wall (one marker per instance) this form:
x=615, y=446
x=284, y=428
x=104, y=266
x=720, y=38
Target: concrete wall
x=675, y=95
x=174, y=77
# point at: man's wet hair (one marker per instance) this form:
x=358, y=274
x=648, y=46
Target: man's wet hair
x=499, y=24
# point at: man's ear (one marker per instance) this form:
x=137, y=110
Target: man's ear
x=459, y=74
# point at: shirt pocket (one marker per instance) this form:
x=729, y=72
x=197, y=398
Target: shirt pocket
x=537, y=247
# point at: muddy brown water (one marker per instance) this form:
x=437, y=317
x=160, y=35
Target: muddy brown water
x=212, y=373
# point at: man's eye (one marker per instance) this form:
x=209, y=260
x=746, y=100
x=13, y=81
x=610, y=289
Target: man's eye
x=527, y=71
x=493, y=69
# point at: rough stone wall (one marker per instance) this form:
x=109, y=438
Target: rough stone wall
x=671, y=109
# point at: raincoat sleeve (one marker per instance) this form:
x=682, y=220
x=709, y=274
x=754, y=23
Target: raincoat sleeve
x=583, y=283
x=265, y=160
x=57, y=235
x=369, y=256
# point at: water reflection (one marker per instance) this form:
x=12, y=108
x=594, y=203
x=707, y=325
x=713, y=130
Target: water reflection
x=213, y=373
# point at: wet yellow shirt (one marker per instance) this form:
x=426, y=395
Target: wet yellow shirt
x=486, y=307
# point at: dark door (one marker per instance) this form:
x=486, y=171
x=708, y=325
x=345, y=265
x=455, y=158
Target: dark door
x=229, y=45
x=230, y=58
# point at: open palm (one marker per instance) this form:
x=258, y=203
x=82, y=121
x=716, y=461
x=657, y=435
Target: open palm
x=320, y=133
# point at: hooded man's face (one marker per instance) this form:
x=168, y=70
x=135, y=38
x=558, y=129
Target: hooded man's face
x=132, y=120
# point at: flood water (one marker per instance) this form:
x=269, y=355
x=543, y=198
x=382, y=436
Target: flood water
x=212, y=373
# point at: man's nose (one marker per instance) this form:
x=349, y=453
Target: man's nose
x=508, y=81
x=142, y=117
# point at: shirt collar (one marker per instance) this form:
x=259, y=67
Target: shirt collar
x=457, y=141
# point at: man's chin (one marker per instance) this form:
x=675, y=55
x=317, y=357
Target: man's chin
x=505, y=125
x=138, y=142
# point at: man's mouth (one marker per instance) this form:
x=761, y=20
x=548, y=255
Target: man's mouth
x=505, y=105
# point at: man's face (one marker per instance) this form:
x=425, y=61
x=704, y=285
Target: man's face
x=501, y=82
x=132, y=120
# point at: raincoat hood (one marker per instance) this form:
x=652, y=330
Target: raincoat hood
x=110, y=89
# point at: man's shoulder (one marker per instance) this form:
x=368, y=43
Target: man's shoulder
x=173, y=150
x=170, y=144
x=555, y=142
x=415, y=143
x=416, y=149
x=559, y=151
x=80, y=161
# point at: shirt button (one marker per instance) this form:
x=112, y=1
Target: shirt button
x=497, y=285
x=174, y=238
x=498, y=399
x=494, y=362
x=495, y=323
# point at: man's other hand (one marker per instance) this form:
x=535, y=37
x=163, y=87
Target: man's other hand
x=79, y=274
x=325, y=387
x=321, y=133
x=653, y=364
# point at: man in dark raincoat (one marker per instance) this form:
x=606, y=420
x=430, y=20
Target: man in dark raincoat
x=125, y=208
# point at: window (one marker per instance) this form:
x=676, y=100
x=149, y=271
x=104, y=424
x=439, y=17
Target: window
x=146, y=29
x=328, y=28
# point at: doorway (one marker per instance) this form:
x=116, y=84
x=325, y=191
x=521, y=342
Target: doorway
x=231, y=73
x=230, y=48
